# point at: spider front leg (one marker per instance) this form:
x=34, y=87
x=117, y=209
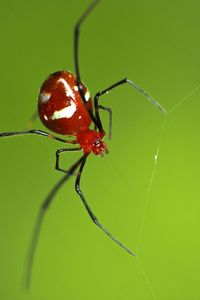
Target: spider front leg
x=77, y=29
x=109, y=110
x=90, y=212
x=123, y=81
x=58, y=152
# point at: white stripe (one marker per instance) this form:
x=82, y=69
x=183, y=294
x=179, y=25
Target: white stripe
x=66, y=112
x=69, y=92
x=44, y=97
x=87, y=96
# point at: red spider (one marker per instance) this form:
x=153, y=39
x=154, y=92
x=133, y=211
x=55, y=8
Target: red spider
x=65, y=107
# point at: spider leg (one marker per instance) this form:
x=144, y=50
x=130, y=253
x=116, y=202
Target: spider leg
x=40, y=217
x=109, y=110
x=39, y=132
x=123, y=81
x=32, y=119
x=76, y=60
x=91, y=214
x=58, y=152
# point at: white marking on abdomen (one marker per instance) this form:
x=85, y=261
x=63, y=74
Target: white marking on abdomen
x=69, y=92
x=87, y=96
x=44, y=97
x=66, y=112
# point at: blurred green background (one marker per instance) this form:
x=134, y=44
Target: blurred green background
x=151, y=205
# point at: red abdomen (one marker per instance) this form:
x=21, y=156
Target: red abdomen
x=60, y=106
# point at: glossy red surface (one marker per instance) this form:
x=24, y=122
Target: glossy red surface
x=90, y=141
x=60, y=106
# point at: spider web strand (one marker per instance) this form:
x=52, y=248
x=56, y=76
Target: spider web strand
x=185, y=98
x=148, y=193
x=146, y=279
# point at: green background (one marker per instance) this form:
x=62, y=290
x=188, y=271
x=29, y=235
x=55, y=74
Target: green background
x=151, y=205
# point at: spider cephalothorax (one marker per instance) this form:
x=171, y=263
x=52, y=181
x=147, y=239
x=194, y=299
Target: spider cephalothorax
x=91, y=141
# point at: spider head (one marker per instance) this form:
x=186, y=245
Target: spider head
x=99, y=148
x=91, y=141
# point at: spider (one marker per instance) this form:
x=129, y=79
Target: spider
x=66, y=107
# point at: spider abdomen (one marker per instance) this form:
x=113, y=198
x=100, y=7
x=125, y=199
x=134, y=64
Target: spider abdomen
x=60, y=106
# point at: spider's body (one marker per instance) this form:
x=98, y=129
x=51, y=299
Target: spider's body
x=60, y=106
x=62, y=110
x=65, y=107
